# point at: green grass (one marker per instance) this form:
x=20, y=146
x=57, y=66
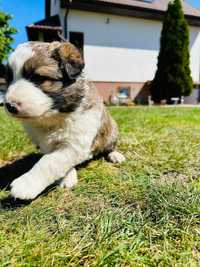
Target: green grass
x=144, y=212
x=13, y=140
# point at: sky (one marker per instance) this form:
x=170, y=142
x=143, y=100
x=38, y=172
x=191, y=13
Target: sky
x=26, y=12
x=195, y=3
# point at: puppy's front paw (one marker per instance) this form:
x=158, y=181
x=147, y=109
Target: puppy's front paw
x=116, y=157
x=70, y=180
x=25, y=188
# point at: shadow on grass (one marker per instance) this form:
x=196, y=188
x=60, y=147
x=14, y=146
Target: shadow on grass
x=9, y=203
x=10, y=172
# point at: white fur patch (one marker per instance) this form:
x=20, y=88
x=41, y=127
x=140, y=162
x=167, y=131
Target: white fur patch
x=30, y=100
x=33, y=102
x=25, y=187
x=116, y=157
x=66, y=129
x=70, y=180
x=17, y=59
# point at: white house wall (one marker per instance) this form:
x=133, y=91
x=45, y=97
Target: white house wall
x=123, y=49
x=195, y=53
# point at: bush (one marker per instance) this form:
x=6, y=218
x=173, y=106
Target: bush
x=173, y=75
x=6, y=33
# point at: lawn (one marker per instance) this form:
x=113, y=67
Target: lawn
x=144, y=212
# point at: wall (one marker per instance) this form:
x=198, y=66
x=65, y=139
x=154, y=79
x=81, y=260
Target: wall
x=195, y=53
x=124, y=49
x=109, y=89
x=117, y=48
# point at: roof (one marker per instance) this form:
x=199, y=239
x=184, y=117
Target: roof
x=160, y=5
x=149, y=9
x=51, y=23
x=50, y=26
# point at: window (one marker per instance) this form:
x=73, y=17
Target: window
x=124, y=92
x=123, y=95
x=77, y=38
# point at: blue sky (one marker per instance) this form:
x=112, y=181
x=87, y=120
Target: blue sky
x=194, y=3
x=24, y=12
x=28, y=11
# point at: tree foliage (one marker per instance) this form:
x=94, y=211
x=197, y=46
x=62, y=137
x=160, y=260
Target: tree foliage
x=173, y=75
x=6, y=32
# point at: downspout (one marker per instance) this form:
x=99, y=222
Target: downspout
x=47, y=9
x=66, y=20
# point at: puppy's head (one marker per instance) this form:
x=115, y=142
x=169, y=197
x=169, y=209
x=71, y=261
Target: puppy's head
x=41, y=79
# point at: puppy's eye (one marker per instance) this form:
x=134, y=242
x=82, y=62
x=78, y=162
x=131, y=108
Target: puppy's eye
x=32, y=76
x=38, y=79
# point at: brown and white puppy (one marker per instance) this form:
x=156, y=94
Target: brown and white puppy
x=61, y=111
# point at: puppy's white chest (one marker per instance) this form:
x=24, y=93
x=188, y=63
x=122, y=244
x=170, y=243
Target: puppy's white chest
x=77, y=130
x=51, y=140
x=47, y=139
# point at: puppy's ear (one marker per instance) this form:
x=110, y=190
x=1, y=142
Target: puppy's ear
x=71, y=59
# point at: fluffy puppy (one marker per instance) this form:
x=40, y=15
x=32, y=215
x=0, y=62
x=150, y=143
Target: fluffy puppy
x=60, y=110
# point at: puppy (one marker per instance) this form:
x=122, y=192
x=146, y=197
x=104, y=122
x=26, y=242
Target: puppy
x=60, y=110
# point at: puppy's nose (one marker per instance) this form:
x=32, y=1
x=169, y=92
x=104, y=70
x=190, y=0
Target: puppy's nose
x=11, y=107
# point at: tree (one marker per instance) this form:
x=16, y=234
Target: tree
x=6, y=32
x=173, y=75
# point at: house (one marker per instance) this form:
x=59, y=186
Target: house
x=119, y=40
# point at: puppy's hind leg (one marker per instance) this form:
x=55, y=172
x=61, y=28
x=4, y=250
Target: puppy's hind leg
x=70, y=180
x=116, y=157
